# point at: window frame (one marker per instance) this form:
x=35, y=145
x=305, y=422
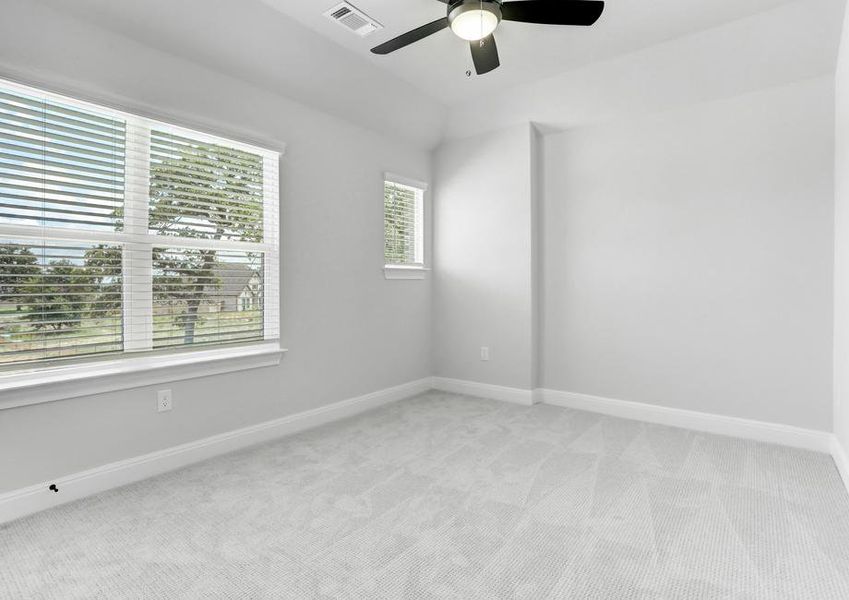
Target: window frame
x=409, y=270
x=137, y=242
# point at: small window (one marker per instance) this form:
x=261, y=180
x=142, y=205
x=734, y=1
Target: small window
x=403, y=222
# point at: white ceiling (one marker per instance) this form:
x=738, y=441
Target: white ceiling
x=253, y=42
x=288, y=47
x=215, y=31
x=794, y=42
x=438, y=64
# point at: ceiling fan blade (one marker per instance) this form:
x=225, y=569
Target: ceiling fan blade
x=553, y=12
x=405, y=39
x=484, y=54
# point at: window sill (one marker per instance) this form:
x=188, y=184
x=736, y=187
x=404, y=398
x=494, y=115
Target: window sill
x=35, y=386
x=404, y=272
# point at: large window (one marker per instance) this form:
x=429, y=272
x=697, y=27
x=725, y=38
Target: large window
x=403, y=222
x=119, y=234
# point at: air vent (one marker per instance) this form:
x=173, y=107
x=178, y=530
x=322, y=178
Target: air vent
x=353, y=19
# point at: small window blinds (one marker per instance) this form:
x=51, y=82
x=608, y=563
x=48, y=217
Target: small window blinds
x=403, y=222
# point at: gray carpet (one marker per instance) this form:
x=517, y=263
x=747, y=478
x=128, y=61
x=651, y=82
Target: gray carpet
x=445, y=496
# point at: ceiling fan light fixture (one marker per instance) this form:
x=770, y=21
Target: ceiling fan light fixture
x=474, y=24
x=473, y=20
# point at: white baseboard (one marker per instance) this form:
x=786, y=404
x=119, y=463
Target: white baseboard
x=841, y=459
x=484, y=390
x=774, y=433
x=22, y=502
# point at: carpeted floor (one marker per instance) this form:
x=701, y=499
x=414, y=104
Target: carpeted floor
x=444, y=496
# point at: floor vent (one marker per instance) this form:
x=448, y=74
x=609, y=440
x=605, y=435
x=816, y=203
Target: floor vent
x=353, y=19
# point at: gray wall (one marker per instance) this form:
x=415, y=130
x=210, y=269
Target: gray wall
x=483, y=221
x=688, y=257
x=684, y=257
x=348, y=330
x=841, y=245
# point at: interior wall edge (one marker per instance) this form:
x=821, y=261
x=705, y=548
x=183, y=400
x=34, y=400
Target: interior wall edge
x=537, y=185
x=841, y=256
x=841, y=459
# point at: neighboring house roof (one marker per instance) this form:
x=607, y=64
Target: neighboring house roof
x=233, y=278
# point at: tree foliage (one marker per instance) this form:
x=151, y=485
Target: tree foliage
x=17, y=266
x=59, y=295
x=207, y=191
x=201, y=191
x=398, y=227
x=103, y=267
x=185, y=279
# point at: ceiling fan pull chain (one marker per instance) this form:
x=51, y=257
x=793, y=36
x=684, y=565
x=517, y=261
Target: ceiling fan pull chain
x=481, y=20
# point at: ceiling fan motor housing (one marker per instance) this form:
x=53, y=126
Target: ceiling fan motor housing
x=474, y=20
x=459, y=7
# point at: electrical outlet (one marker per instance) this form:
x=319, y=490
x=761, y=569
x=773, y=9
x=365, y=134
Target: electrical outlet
x=163, y=400
x=484, y=352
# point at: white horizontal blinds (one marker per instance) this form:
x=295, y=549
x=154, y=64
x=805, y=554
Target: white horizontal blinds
x=60, y=166
x=59, y=299
x=218, y=204
x=204, y=296
x=402, y=224
x=206, y=190
x=271, y=238
x=62, y=180
x=123, y=234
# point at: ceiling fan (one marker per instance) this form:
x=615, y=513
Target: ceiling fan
x=476, y=20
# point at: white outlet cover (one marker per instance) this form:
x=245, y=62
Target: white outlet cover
x=484, y=352
x=163, y=400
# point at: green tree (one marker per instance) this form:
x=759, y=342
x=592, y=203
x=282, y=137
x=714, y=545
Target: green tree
x=185, y=279
x=200, y=191
x=398, y=229
x=103, y=267
x=59, y=296
x=17, y=267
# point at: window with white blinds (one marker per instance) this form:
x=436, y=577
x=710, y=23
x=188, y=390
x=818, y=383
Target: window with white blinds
x=120, y=234
x=403, y=222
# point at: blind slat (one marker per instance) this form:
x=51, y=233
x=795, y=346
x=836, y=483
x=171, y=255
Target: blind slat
x=52, y=148
x=35, y=113
x=54, y=107
x=79, y=143
x=110, y=172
